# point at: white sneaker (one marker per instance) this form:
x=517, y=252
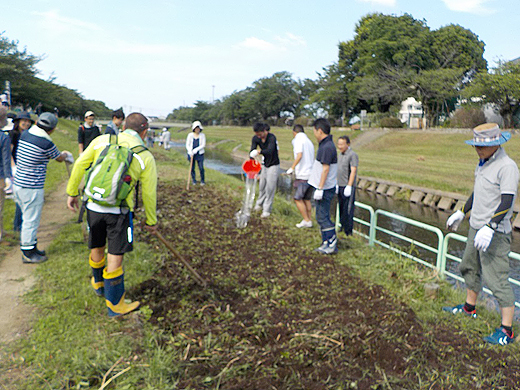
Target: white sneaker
x=257, y=208
x=265, y=214
x=304, y=224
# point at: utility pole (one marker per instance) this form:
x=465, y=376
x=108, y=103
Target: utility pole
x=213, y=94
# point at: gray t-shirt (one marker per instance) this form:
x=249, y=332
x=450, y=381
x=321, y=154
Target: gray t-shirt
x=346, y=161
x=499, y=175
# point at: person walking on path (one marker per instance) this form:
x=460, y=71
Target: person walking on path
x=87, y=132
x=323, y=178
x=115, y=224
x=270, y=167
x=22, y=122
x=348, y=162
x=166, y=137
x=303, y=151
x=5, y=166
x=118, y=116
x=195, y=144
x=35, y=149
x=489, y=237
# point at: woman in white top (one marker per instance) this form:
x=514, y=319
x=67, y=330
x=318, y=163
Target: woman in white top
x=195, y=143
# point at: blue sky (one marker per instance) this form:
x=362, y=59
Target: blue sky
x=157, y=55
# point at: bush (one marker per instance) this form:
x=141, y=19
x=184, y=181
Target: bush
x=468, y=118
x=303, y=121
x=391, y=122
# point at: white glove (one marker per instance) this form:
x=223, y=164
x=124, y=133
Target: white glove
x=454, y=220
x=347, y=191
x=8, y=184
x=337, y=189
x=289, y=171
x=483, y=238
x=253, y=153
x=191, y=154
x=318, y=195
x=69, y=158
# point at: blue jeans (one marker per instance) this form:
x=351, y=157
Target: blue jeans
x=199, y=158
x=323, y=215
x=30, y=201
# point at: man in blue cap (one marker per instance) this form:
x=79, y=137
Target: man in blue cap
x=489, y=236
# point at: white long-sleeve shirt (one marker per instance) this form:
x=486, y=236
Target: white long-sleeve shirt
x=189, y=143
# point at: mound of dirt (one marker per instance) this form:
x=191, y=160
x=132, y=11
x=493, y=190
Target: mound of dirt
x=279, y=316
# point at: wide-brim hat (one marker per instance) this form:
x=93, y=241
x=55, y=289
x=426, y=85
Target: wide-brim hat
x=196, y=124
x=488, y=134
x=23, y=115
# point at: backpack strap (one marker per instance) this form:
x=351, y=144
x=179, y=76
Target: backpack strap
x=138, y=149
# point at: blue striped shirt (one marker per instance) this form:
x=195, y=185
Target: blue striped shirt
x=35, y=149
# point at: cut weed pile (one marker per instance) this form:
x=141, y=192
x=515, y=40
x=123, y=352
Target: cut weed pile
x=277, y=315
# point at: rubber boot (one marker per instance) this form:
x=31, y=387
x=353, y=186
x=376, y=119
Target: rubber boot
x=97, y=281
x=115, y=293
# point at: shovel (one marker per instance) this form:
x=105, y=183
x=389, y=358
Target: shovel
x=199, y=279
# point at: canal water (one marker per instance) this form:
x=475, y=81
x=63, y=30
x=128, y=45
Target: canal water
x=227, y=164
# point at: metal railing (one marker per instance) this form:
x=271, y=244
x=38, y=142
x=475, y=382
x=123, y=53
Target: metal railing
x=441, y=251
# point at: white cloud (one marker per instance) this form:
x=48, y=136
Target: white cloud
x=256, y=44
x=387, y=3
x=280, y=44
x=54, y=22
x=471, y=6
x=291, y=40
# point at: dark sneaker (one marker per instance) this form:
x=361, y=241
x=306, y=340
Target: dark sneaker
x=332, y=247
x=500, y=337
x=32, y=257
x=459, y=309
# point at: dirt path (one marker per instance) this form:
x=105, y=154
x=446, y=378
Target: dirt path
x=367, y=137
x=17, y=278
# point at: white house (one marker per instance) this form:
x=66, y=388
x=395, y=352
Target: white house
x=411, y=113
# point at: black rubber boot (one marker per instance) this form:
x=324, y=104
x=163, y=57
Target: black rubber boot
x=41, y=253
x=30, y=256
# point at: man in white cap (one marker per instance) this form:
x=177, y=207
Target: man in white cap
x=489, y=237
x=87, y=131
x=165, y=138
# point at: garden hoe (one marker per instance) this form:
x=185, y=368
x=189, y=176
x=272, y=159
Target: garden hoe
x=198, y=278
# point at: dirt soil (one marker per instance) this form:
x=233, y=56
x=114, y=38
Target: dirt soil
x=279, y=316
x=17, y=278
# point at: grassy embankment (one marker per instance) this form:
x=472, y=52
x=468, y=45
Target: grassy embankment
x=65, y=139
x=435, y=160
x=74, y=345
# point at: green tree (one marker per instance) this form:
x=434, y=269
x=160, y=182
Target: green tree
x=275, y=95
x=500, y=87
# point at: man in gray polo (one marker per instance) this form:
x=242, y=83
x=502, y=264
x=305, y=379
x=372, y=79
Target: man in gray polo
x=489, y=236
x=348, y=162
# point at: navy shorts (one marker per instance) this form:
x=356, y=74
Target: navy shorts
x=118, y=229
x=303, y=190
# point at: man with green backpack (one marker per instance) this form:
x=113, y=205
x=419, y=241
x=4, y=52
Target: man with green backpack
x=116, y=164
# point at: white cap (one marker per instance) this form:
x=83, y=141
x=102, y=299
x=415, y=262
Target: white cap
x=197, y=124
x=89, y=113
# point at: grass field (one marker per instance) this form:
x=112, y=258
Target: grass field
x=436, y=160
x=73, y=345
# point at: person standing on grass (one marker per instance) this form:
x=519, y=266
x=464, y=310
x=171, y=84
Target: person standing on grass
x=115, y=224
x=166, y=137
x=88, y=131
x=22, y=122
x=35, y=149
x=270, y=167
x=489, y=237
x=323, y=178
x=348, y=162
x=5, y=166
x=118, y=116
x=303, y=151
x=195, y=144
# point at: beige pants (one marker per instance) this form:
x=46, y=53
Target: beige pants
x=2, y=197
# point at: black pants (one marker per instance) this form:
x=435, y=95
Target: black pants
x=346, y=210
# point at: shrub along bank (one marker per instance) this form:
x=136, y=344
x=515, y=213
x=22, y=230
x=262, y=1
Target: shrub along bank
x=275, y=313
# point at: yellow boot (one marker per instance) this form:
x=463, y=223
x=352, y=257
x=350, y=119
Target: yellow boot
x=115, y=293
x=97, y=281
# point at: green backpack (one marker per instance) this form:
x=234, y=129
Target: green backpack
x=108, y=183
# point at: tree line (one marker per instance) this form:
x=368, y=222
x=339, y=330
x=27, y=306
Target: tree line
x=389, y=59
x=28, y=90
